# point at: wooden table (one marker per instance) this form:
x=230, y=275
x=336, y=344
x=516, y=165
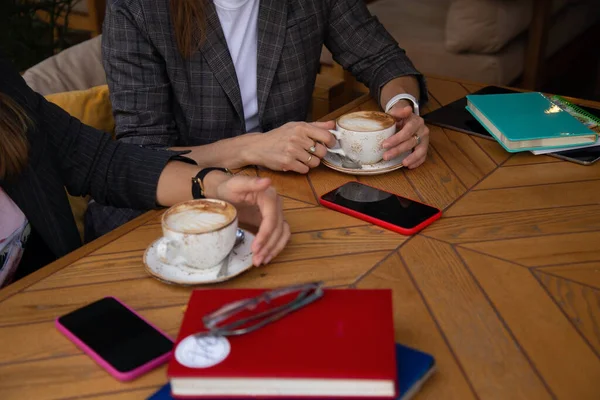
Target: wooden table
x=503, y=290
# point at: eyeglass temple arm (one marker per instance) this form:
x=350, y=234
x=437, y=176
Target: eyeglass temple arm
x=269, y=317
x=230, y=309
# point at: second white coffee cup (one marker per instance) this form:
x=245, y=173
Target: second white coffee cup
x=360, y=135
x=197, y=233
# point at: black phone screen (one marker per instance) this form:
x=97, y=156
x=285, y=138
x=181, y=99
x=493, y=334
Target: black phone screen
x=382, y=205
x=116, y=334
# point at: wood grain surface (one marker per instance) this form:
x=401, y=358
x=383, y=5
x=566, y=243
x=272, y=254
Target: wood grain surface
x=503, y=290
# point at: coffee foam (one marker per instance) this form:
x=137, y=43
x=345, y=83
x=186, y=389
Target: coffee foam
x=366, y=121
x=192, y=220
x=200, y=216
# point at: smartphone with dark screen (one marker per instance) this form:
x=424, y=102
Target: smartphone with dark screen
x=116, y=338
x=455, y=116
x=382, y=208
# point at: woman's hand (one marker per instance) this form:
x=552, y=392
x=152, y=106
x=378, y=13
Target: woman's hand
x=412, y=134
x=258, y=204
x=295, y=146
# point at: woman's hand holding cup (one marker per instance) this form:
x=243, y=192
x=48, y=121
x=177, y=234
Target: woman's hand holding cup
x=412, y=134
x=295, y=146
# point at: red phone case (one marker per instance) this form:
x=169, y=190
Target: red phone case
x=122, y=376
x=376, y=221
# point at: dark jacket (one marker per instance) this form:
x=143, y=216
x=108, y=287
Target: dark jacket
x=64, y=153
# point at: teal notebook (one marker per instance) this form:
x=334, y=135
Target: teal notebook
x=528, y=121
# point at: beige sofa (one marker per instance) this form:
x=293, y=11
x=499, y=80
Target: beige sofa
x=77, y=68
x=477, y=40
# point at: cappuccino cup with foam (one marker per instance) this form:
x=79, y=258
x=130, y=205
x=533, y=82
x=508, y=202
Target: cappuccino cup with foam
x=360, y=135
x=197, y=233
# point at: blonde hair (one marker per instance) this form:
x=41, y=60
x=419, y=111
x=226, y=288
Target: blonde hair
x=14, y=146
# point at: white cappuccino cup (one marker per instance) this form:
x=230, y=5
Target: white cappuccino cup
x=360, y=135
x=197, y=233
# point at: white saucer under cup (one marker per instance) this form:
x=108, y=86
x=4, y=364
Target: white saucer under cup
x=334, y=162
x=240, y=261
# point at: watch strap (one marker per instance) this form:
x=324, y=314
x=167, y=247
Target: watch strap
x=198, y=181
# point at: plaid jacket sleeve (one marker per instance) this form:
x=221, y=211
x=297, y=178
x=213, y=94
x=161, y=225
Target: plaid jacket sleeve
x=140, y=90
x=360, y=44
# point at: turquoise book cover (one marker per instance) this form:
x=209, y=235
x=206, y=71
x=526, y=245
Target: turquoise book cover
x=528, y=121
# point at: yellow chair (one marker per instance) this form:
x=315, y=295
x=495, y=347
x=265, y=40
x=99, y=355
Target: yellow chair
x=92, y=107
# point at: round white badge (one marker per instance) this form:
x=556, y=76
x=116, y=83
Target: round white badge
x=202, y=352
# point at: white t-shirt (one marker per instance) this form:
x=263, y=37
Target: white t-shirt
x=239, y=22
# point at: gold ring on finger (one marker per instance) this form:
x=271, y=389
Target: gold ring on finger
x=309, y=158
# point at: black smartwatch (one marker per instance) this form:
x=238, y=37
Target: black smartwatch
x=197, y=181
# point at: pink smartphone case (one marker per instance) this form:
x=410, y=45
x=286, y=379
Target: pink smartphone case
x=122, y=376
x=383, y=224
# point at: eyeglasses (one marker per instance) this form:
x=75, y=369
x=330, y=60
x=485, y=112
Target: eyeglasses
x=242, y=317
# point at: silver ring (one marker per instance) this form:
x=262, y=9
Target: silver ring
x=309, y=158
x=312, y=149
x=418, y=139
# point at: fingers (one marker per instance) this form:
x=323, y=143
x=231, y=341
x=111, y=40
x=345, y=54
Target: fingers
x=403, y=147
x=275, y=246
x=320, y=150
x=259, y=202
x=319, y=132
x=308, y=144
x=241, y=185
x=405, y=140
x=265, y=254
x=290, y=162
x=324, y=124
x=280, y=245
x=408, y=130
x=311, y=160
x=271, y=230
x=297, y=155
x=274, y=231
x=270, y=210
x=279, y=238
x=418, y=156
x=401, y=110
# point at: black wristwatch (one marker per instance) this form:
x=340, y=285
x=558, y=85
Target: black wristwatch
x=197, y=181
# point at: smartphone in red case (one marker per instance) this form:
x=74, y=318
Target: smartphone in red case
x=116, y=338
x=385, y=209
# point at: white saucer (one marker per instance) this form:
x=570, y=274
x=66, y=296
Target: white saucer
x=240, y=261
x=334, y=161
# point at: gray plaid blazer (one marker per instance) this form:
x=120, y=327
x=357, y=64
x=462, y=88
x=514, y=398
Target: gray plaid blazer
x=161, y=99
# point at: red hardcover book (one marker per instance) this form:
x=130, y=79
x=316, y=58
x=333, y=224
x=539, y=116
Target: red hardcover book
x=339, y=346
